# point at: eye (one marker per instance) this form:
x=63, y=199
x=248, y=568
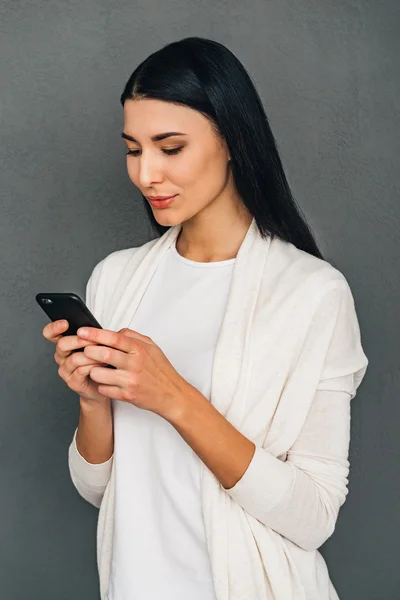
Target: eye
x=165, y=150
x=172, y=150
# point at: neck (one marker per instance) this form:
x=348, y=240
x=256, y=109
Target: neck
x=211, y=240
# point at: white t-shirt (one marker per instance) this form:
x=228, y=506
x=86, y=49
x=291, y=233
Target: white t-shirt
x=159, y=546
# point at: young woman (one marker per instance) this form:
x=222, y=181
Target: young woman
x=217, y=450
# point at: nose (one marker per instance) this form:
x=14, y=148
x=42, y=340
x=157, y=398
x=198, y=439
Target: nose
x=149, y=171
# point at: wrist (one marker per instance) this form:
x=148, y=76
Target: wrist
x=177, y=409
x=87, y=405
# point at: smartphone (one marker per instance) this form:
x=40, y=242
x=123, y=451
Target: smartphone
x=69, y=306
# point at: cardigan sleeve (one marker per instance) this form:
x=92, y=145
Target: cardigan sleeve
x=300, y=497
x=345, y=355
x=89, y=479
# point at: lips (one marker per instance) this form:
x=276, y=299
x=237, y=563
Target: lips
x=166, y=201
x=160, y=197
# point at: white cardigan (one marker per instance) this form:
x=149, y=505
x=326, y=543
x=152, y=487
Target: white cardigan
x=290, y=332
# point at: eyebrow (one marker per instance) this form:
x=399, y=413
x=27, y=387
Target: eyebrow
x=155, y=138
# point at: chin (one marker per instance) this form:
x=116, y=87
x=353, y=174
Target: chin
x=167, y=220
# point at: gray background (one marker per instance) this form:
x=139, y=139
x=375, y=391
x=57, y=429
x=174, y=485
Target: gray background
x=328, y=73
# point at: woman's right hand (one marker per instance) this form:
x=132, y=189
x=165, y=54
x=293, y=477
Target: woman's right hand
x=74, y=367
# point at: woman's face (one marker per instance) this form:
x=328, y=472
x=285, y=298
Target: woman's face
x=192, y=165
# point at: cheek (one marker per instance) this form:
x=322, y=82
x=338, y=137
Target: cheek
x=189, y=171
x=185, y=170
x=179, y=171
x=207, y=173
x=132, y=171
x=203, y=169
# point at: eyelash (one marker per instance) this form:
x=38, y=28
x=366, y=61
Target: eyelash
x=168, y=152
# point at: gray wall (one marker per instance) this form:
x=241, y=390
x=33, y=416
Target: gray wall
x=328, y=73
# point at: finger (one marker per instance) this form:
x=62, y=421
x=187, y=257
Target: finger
x=70, y=343
x=108, y=382
x=112, y=339
x=75, y=366
x=111, y=391
x=106, y=376
x=79, y=359
x=137, y=335
x=107, y=355
x=76, y=360
x=84, y=370
x=79, y=362
x=53, y=331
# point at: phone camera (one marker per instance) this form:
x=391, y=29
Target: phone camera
x=47, y=301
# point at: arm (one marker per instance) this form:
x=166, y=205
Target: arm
x=299, y=498
x=307, y=512
x=90, y=454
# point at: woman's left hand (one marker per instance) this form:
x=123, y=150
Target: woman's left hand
x=143, y=375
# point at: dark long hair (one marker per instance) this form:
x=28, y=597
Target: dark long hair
x=204, y=75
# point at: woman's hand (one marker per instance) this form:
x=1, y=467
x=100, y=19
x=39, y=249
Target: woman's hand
x=143, y=375
x=74, y=367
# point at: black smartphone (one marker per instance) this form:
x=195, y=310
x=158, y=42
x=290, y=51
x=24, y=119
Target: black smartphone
x=68, y=306
x=65, y=305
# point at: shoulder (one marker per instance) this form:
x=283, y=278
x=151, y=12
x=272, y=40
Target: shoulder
x=297, y=270
x=114, y=263
x=107, y=272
